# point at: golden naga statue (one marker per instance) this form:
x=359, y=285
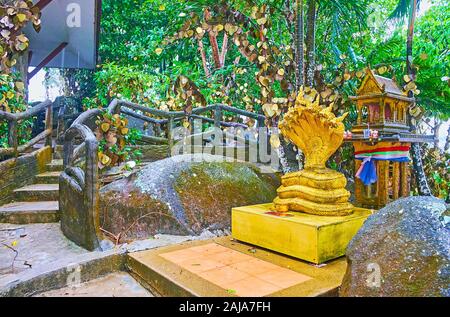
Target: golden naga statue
x=317, y=189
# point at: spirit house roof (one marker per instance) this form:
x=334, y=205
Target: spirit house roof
x=68, y=36
x=376, y=85
x=383, y=107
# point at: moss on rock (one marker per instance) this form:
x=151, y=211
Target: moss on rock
x=401, y=250
x=182, y=195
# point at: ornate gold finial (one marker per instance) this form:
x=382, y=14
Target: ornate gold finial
x=318, y=133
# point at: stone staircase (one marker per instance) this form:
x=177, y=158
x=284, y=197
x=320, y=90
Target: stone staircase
x=38, y=202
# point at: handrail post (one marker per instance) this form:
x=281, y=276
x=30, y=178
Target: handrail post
x=60, y=128
x=68, y=152
x=169, y=132
x=262, y=129
x=13, y=139
x=49, y=124
x=92, y=191
x=218, y=116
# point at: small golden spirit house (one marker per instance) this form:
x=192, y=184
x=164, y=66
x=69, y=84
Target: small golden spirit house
x=382, y=140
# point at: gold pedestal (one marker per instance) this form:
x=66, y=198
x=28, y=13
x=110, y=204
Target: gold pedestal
x=317, y=191
x=312, y=238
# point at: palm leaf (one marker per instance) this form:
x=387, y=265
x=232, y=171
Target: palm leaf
x=401, y=10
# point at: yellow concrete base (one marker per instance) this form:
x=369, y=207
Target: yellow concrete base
x=312, y=238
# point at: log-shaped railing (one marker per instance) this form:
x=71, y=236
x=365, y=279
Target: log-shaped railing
x=64, y=116
x=13, y=119
x=79, y=192
x=169, y=118
x=78, y=200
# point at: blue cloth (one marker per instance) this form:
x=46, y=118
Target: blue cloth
x=368, y=171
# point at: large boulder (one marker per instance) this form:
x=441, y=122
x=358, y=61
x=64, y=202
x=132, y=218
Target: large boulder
x=182, y=195
x=401, y=250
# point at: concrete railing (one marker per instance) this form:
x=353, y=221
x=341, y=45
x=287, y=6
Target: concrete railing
x=13, y=119
x=79, y=186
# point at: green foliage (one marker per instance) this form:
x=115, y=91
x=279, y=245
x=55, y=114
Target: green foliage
x=116, y=140
x=15, y=15
x=123, y=82
x=437, y=168
x=12, y=100
x=431, y=58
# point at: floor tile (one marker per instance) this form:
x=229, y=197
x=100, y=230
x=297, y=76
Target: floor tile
x=253, y=287
x=223, y=276
x=283, y=278
x=180, y=255
x=209, y=248
x=230, y=257
x=198, y=265
x=253, y=266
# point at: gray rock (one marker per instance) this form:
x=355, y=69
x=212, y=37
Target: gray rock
x=106, y=245
x=402, y=250
x=182, y=195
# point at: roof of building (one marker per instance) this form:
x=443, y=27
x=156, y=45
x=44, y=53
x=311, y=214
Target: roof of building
x=388, y=85
x=384, y=84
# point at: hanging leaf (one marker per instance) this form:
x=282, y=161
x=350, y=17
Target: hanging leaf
x=105, y=127
x=261, y=21
x=381, y=70
x=275, y=141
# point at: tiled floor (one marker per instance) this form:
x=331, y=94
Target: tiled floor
x=234, y=271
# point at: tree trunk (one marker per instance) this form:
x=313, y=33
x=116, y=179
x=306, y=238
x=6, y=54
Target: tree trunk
x=310, y=42
x=436, y=128
x=419, y=173
x=22, y=67
x=447, y=141
x=224, y=51
x=288, y=157
x=203, y=55
x=299, y=48
x=213, y=40
x=410, y=37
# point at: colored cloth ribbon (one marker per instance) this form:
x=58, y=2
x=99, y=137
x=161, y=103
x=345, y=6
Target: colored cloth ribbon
x=367, y=172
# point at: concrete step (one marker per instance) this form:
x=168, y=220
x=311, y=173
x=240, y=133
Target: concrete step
x=58, y=152
x=59, y=148
x=58, y=155
x=37, y=192
x=30, y=212
x=55, y=165
x=48, y=178
x=117, y=284
x=224, y=267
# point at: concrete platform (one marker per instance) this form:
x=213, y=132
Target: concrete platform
x=312, y=238
x=224, y=267
x=37, y=246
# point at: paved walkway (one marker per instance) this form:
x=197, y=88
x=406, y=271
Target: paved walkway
x=119, y=284
x=37, y=245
